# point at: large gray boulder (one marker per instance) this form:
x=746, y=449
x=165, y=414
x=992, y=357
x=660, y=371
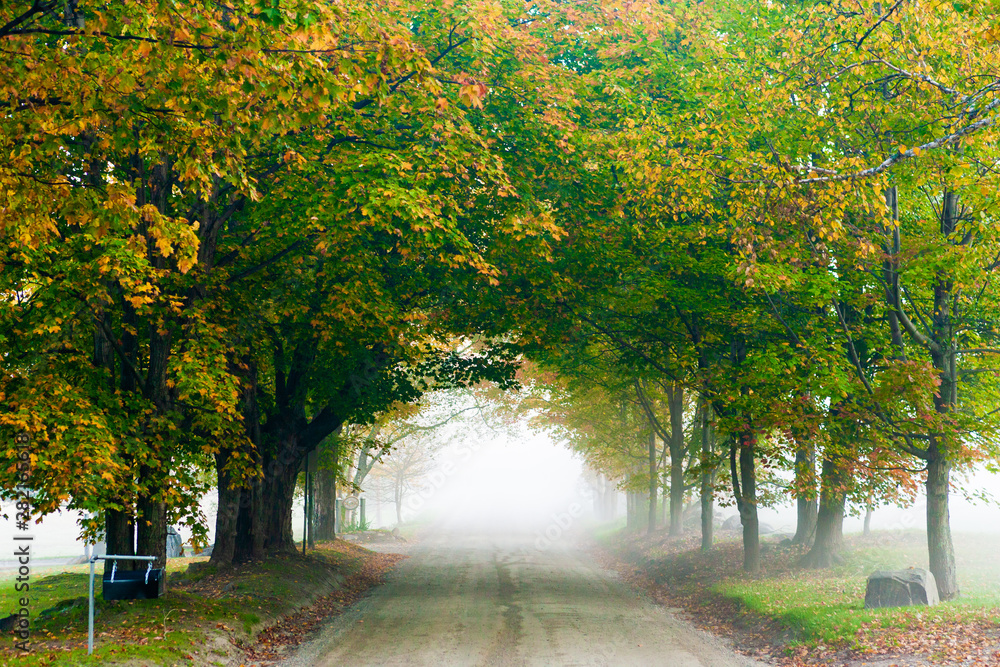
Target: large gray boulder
x=175, y=543
x=732, y=523
x=901, y=588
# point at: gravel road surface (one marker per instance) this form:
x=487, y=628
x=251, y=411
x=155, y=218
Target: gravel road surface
x=500, y=600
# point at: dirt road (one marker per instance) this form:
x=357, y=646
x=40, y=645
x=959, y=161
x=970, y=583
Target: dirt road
x=461, y=600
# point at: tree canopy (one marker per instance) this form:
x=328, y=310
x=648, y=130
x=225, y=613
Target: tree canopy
x=232, y=231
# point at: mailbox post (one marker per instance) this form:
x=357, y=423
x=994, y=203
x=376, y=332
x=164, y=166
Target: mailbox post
x=350, y=503
x=111, y=557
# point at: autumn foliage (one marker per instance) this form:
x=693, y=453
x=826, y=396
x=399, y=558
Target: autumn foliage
x=230, y=230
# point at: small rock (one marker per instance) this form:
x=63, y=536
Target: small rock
x=901, y=588
x=62, y=607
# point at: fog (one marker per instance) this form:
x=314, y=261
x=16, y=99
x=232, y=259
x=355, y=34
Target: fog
x=973, y=504
x=517, y=480
x=521, y=481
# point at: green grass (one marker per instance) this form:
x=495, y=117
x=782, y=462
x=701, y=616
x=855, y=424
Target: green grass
x=150, y=631
x=605, y=532
x=356, y=526
x=175, y=629
x=828, y=606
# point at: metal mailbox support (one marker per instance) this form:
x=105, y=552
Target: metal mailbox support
x=94, y=559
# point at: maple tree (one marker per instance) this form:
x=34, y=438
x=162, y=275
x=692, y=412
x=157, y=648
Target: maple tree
x=266, y=194
x=902, y=223
x=231, y=232
x=723, y=144
x=130, y=126
x=803, y=154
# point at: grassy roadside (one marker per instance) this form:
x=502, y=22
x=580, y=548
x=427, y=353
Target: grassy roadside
x=792, y=616
x=206, y=617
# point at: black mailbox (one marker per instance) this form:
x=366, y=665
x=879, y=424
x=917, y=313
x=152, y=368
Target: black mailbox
x=133, y=584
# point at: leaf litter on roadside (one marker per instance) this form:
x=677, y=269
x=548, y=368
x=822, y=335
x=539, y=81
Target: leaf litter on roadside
x=269, y=645
x=674, y=573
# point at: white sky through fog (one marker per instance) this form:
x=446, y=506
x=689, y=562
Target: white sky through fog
x=504, y=481
x=967, y=516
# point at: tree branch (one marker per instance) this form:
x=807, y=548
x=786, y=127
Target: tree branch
x=971, y=128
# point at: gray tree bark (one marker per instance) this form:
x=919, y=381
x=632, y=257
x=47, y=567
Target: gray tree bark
x=744, y=476
x=675, y=402
x=707, y=477
x=825, y=551
x=805, y=488
x=651, y=519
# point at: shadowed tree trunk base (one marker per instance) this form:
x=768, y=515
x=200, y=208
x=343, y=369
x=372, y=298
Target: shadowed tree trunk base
x=821, y=558
x=326, y=503
x=119, y=537
x=825, y=551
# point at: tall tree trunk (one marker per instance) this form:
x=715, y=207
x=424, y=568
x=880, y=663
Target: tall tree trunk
x=151, y=530
x=278, y=494
x=805, y=492
x=238, y=529
x=598, y=497
x=651, y=521
x=744, y=476
x=940, y=549
x=398, y=498
x=151, y=511
x=324, y=484
x=825, y=551
x=675, y=402
x=119, y=530
x=250, y=523
x=309, y=500
x=707, y=478
x=869, y=510
x=628, y=510
x=230, y=495
x=120, y=525
x=610, y=499
x=119, y=537
x=664, y=503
